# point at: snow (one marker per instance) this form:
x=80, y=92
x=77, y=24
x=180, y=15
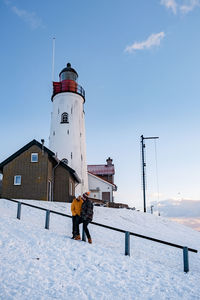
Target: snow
x=36, y=263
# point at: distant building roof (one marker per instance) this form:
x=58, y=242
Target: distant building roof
x=104, y=180
x=101, y=169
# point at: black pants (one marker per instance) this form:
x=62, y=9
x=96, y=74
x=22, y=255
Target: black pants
x=75, y=225
x=85, y=225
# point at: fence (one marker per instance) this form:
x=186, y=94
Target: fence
x=127, y=234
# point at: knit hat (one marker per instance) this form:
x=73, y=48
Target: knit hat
x=85, y=195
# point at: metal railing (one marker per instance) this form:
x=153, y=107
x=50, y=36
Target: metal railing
x=127, y=234
x=72, y=88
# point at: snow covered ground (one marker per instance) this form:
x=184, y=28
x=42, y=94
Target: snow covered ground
x=36, y=263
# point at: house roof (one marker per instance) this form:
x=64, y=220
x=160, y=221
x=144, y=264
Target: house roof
x=50, y=153
x=20, y=151
x=72, y=171
x=101, y=179
x=101, y=169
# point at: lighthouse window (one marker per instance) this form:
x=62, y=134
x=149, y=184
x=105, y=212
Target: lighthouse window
x=64, y=118
x=71, y=155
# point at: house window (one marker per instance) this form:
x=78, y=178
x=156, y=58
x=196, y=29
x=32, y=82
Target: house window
x=64, y=118
x=17, y=180
x=34, y=157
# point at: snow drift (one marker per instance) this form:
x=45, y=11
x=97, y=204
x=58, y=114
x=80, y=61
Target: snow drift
x=46, y=264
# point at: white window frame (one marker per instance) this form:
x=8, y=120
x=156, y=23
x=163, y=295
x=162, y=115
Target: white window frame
x=15, y=180
x=34, y=161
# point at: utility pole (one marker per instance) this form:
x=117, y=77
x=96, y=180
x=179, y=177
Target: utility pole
x=144, y=167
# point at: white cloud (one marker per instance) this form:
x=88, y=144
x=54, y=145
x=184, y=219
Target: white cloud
x=170, y=4
x=184, y=211
x=29, y=17
x=189, y=6
x=183, y=208
x=191, y=222
x=153, y=40
x=183, y=6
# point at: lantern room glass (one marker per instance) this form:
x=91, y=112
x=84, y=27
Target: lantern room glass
x=68, y=75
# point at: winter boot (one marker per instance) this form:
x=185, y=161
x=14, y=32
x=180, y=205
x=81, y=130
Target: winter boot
x=90, y=241
x=77, y=238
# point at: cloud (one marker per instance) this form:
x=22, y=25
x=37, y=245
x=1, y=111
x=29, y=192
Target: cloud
x=184, y=211
x=153, y=40
x=191, y=222
x=189, y=6
x=183, y=6
x=29, y=17
x=178, y=208
x=170, y=4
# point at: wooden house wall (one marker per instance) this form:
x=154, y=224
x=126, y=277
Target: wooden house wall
x=33, y=176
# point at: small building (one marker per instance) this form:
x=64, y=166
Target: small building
x=34, y=172
x=101, y=181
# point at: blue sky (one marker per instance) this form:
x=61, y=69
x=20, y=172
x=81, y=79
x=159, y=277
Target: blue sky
x=139, y=63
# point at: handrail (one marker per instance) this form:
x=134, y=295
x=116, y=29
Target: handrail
x=109, y=227
x=69, y=87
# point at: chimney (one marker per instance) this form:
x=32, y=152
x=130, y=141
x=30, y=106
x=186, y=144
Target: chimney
x=42, y=141
x=109, y=161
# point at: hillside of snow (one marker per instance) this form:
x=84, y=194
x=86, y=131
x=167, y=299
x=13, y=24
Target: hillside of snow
x=36, y=263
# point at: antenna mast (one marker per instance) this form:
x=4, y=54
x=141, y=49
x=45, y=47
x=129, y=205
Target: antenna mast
x=53, y=57
x=144, y=166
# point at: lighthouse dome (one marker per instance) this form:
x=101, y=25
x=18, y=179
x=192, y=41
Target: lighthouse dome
x=68, y=73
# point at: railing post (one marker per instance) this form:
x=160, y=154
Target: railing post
x=83, y=235
x=19, y=205
x=47, y=219
x=185, y=259
x=127, y=243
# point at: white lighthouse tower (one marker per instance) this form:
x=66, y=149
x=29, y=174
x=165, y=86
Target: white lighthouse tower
x=67, y=134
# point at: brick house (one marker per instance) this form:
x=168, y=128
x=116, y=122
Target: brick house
x=34, y=172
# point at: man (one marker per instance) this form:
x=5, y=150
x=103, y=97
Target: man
x=76, y=212
x=86, y=214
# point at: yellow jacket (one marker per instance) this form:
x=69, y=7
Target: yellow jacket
x=76, y=207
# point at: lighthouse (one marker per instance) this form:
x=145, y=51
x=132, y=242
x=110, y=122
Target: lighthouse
x=67, y=133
